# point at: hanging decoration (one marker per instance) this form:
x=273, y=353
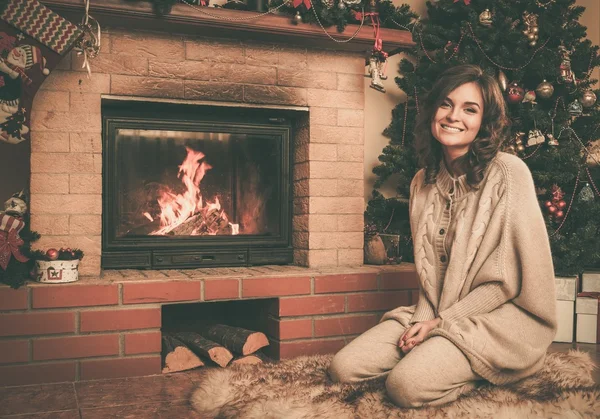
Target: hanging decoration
x=586, y=194
x=89, y=43
x=552, y=141
x=516, y=145
x=544, y=90
x=529, y=97
x=485, y=18
x=588, y=98
x=378, y=58
x=555, y=206
x=575, y=108
x=514, y=93
x=34, y=40
x=566, y=73
x=531, y=27
x=502, y=80
x=297, y=18
x=535, y=137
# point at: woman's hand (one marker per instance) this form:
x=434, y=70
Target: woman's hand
x=415, y=334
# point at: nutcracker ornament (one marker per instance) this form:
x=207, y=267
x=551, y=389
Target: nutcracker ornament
x=376, y=63
x=556, y=205
x=531, y=27
x=566, y=73
x=575, y=108
x=515, y=93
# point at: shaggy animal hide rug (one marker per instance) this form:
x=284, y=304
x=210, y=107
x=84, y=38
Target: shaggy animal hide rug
x=300, y=389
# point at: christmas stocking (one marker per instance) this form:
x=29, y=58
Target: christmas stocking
x=33, y=40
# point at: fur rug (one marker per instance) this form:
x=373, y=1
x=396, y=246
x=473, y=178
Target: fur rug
x=300, y=389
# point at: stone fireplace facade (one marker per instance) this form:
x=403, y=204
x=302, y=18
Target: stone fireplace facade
x=66, y=161
x=108, y=324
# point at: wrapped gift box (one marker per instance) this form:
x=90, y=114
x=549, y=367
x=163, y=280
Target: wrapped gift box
x=566, y=291
x=590, y=282
x=587, y=317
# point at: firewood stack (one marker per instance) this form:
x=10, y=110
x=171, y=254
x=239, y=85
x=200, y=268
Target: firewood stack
x=219, y=344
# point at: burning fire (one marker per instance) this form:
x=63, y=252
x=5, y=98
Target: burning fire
x=186, y=213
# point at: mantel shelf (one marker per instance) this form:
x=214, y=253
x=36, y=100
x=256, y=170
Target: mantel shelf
x=268, y=28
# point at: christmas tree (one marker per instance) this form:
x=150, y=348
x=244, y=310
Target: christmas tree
x=538, y=52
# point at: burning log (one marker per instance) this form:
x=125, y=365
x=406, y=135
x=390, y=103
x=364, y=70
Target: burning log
x=215, y=222
x=236, y=339
x=204, y=347
x=177, y=356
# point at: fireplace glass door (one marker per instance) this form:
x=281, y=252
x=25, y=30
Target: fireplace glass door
x=195, y=186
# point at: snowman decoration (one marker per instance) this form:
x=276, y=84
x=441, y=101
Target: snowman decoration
x=11, y=224
x=14, y=71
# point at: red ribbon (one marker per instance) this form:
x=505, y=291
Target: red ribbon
x=297, y=3
x=9, y=245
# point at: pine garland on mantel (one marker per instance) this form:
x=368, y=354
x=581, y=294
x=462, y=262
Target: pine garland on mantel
x=329, y=13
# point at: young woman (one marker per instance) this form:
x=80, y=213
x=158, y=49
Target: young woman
x=486, y=308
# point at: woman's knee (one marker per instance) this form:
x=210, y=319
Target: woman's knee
x=402, y=389
x=342, y=369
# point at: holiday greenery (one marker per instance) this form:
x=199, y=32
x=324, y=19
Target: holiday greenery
x=327, y=13
x=538, y=52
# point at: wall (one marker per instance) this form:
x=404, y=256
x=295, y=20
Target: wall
x=378, y=106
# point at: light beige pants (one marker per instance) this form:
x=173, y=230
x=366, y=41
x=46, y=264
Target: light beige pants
x=432, y=373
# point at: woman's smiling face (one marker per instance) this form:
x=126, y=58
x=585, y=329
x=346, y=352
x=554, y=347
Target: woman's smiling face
x=457, y=121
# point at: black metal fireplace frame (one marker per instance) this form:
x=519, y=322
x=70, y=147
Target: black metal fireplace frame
x=160, y=252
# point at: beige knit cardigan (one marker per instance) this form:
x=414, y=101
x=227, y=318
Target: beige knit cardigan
x=495, y=290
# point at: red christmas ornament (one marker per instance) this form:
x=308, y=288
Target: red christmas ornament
x=561, y=204
x=52, y=254
x=548, y=204
x=552, y=209
x=514, y=93
x=559, y=214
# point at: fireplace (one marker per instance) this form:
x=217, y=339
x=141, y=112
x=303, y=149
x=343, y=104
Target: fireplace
x=189, y=186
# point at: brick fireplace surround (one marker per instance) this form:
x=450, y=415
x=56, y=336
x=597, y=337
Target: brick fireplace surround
x=108, y=324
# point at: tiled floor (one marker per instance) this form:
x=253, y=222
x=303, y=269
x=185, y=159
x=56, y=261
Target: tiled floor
x=161, y=396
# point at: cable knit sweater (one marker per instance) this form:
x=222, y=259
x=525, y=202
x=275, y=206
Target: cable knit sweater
x=485, y=268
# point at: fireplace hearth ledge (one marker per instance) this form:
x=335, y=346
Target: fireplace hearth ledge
x=268, y=271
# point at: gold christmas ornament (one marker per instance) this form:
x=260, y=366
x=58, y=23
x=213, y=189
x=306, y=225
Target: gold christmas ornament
x=297, y=18
x=544, y=90
x=531, y=27
x=502, y=80
x=485, y=18
x=519, y=137
x=588, y=99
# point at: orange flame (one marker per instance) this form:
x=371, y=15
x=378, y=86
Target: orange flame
x=177, y=209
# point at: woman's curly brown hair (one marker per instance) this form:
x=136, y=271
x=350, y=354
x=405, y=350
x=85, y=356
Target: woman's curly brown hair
x=494, y=124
